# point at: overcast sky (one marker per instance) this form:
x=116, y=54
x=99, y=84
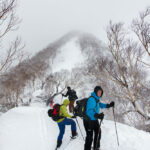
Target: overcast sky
x=43, y=21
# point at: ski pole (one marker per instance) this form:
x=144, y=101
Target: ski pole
x=115, y=126
x=61, y=98
x=98, y=132
x=80, y=129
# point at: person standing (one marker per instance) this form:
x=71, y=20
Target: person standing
x=92, y=124
x=72, y=97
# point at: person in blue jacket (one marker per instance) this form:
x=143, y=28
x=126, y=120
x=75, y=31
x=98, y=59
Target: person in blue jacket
x=92, y=124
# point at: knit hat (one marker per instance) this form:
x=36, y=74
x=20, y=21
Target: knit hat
x=69, y=88
x=97, y=88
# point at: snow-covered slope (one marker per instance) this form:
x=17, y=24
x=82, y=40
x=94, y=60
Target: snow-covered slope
x=68, y=56
x=68, y=51
x=29, y=128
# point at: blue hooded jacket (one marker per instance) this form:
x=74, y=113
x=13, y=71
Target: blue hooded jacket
x=93, y=106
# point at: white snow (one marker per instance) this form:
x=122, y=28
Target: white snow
x=68, y=57
x=37, y=93
x=30, y=128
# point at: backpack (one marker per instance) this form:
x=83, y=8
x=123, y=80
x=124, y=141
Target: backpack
x=80, y=108
x=73, y=95
x=54, y=113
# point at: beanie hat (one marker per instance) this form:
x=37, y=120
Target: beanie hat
x=69, y=88
x=97, y=88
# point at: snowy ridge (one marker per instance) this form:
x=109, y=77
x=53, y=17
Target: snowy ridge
x=29, y=128
x=69, y=56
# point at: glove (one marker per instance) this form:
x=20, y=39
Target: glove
x=99, y=116
x=112, y=104
x=74, y=116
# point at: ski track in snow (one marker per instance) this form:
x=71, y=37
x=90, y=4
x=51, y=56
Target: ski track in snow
x=30, y=128
x=43, y=130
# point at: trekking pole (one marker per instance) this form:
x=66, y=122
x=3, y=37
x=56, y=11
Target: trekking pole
x=61, y=98
x=80, y=129
x=98, y=132
x=115, y=126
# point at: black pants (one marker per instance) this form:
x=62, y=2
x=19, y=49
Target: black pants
x=90, y=128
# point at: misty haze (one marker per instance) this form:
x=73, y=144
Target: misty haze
x=74, y=74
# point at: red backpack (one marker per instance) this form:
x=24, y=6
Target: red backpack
x=54, y=113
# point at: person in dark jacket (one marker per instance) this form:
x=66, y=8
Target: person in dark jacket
x=72, y=97
x=92, y=124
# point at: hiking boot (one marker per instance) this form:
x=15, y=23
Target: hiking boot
x=74, y=135
x=59, y=143
x=97, y=149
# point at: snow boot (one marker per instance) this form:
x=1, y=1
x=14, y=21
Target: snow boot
x=74, y=135
x=96, y=149
x=58, y=144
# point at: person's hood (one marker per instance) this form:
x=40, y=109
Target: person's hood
x=66, y=102
x=94, y=95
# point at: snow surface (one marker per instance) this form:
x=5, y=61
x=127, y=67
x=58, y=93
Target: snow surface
x=30, y=128
x=68, y=57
